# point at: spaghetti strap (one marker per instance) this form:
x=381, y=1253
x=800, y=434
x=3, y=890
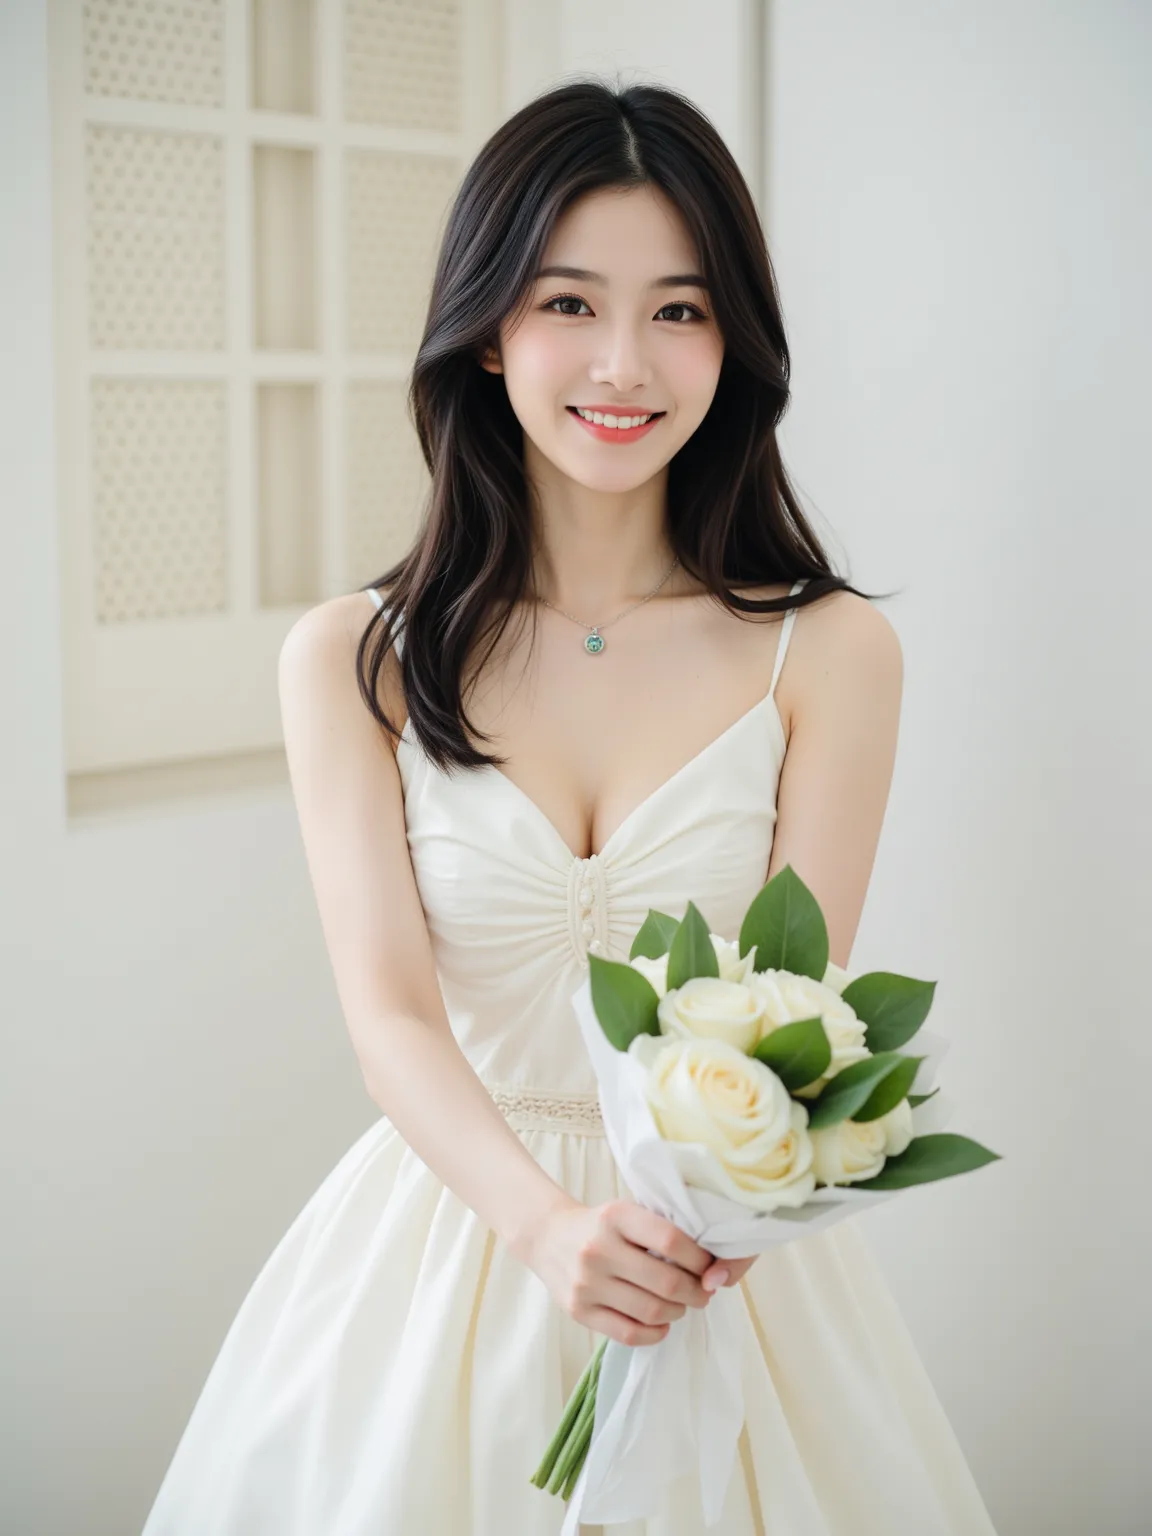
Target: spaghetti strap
x=785, y=635
x=398, y=637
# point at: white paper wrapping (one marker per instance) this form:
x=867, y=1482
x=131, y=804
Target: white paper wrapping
x=666, y=1407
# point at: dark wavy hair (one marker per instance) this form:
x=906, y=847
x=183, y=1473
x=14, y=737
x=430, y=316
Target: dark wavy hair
x=732, y=516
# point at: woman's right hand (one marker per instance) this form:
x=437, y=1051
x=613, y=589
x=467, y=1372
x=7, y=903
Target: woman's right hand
x=600, y=1264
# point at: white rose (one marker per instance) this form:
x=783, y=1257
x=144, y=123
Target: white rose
x=836, y=977
x=851, y=1150
x=656, y=971
x=733, y=967
x=898, y=1123
x=786, y=998
x=735, y=1127
x=706, y=1008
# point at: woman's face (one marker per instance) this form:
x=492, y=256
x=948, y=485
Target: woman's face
x=619, y=338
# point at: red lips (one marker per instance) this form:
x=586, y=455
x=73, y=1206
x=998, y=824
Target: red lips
x=616, y=434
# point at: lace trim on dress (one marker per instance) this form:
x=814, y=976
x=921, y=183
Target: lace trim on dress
x=537, y=1109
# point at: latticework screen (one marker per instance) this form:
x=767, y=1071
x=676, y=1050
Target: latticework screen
x=248, y=197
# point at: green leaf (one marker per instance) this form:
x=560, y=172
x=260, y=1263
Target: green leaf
x=624, y=1001
x=927, y=1158
x=787, y=927
x=892, y=1007
x=888, y=1093
x=921, y=1098
x=851, y=1089
x=798, y=1052
x=654, y=936
x=692, y=952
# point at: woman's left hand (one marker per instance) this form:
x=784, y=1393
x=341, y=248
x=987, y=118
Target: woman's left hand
x=736, y=1270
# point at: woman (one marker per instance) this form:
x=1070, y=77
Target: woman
x=609, y=607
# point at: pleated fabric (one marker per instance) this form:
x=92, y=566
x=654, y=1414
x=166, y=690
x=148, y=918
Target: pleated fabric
x=394, y=1371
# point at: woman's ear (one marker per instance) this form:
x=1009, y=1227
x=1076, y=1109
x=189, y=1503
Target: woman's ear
x=489, y=359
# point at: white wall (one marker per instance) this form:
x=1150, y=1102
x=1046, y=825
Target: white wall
x=956, y=218
x=176, y=1078
x=961, y=218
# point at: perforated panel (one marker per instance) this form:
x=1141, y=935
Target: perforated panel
x=169, y=51
x=402, y=63
x=231, y=452
x=387, y=479
x=155, y=239
x=395, y=207
x=159, y=510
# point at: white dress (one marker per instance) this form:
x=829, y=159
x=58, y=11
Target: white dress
x=394, y=1371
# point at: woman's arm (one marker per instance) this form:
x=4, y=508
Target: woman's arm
x=847, y=678
x=349, y=799
x=845, y=674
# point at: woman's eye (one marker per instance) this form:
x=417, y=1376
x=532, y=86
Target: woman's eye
x=565, y=298
x=691, y=308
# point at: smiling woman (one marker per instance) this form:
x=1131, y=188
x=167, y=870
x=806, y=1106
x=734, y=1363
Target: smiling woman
x=633, y=359
x=596, y=392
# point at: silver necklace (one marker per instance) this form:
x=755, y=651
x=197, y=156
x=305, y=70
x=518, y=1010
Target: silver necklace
x=594, y=641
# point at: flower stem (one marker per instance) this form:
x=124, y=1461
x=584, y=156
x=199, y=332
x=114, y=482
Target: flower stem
x=571, y=1414
x=579, y=1458
x=571, y=1458
x=570, y=1455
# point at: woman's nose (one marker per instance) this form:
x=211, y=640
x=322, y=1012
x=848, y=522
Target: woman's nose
x=623, y=363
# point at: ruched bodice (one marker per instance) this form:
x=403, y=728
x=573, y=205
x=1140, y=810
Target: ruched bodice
x=509, y=963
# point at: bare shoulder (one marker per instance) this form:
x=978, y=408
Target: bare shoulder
x=321, y=647
x=331, y=627
x=843, y=645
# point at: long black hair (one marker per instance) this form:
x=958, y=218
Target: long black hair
x=732, y=516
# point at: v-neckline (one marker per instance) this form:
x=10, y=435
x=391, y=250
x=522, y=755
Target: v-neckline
x=767, y=702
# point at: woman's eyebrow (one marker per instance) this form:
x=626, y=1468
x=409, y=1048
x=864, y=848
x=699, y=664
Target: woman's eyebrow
x=581, y=275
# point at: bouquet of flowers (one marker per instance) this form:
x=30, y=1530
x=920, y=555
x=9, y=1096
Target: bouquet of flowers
x=752, y=1093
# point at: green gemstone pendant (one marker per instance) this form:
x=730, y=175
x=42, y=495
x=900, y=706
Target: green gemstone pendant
x=594, y=644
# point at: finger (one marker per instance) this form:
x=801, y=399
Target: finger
x=724, y=1272
x=625, y=1330
x=655, y=1235
x=640, y=1305
x=661, y=1278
